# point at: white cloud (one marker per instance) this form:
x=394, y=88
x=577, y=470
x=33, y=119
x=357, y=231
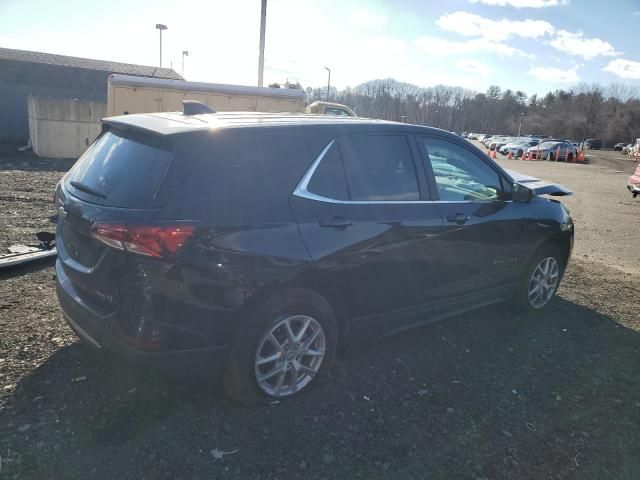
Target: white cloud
x=439, y=47
x=472, y=25
x=522, y=3
x=627, y=69
x=577, y=44
x=367, y=18
x=555, y=75
x=474, y=66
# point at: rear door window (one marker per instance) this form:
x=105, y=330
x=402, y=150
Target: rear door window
x=379, y=168
x=120, y=171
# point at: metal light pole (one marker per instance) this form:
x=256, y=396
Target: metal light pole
x=161, y=27
x=520, y=126
x=542, y=119
x=185, y=53
x=263, y=28
x=586, y=125
x=328, y=81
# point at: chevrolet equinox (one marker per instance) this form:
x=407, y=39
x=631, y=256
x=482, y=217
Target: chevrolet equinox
x=253, y=244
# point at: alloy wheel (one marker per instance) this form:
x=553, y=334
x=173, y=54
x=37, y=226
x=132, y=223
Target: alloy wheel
x=289, y=355
x=544, y=282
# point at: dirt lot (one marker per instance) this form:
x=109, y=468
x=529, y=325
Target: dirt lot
x=488, y=395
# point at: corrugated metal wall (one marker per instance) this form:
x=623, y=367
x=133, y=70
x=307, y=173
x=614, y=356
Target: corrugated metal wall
x=20, y=79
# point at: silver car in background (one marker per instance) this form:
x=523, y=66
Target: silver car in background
x=553, y=151
x=519, y=146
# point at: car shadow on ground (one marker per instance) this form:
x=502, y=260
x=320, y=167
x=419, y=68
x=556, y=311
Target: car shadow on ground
x=484, y=395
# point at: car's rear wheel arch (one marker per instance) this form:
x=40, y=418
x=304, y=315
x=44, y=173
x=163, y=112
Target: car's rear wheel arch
x=323, y=285
x=283, y=304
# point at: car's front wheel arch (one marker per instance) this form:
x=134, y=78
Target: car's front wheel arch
x=550, y=249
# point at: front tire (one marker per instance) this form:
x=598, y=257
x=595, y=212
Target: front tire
x=287, y=347
x=540, y=281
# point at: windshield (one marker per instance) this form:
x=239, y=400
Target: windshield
x=546, y=145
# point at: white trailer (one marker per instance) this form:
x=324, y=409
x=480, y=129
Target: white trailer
x=129, y=94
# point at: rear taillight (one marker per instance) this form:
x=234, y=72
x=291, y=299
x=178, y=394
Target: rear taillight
x=158, y=240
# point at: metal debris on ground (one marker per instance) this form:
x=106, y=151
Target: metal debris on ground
x=19, y=254
x=220, y=454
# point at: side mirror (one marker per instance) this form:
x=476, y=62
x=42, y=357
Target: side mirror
x=520, y=193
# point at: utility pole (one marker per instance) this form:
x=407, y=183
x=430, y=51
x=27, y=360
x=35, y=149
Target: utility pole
x=586, y=126
x=328, y=81
x=185, y=53
x=263, y=27
x=161, y=27
x=520, y=126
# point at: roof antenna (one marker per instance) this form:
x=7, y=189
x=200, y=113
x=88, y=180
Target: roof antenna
x=193, y=107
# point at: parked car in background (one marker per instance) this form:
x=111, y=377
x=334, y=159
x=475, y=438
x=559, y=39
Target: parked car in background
x=519, y=146
x=592, y=144
x=618, y=147
x=472, y=136
x=553, y=151
x=250, y=245
x=489, y=139
x=501, y=142
x=627, y=148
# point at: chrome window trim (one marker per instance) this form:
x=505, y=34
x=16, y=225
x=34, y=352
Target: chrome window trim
x=302, y=192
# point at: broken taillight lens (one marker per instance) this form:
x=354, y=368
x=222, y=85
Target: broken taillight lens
x=157, y=240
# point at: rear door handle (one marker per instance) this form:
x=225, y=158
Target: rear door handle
x=336, y=222
x=459, y=218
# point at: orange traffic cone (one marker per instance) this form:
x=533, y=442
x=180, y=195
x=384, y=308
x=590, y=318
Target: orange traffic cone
x=581, y=156
x=488, y=153
x=538, y=152
x=558, y=154
x=493, y=153
x=510, y=156
x=524, y=155
x=566, y=156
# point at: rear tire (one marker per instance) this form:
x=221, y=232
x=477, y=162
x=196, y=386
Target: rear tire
x=293, y=370
x=540, y=281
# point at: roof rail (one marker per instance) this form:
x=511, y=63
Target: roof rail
x=193, y=107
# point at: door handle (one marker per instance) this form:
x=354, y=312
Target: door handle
x=336, y=222
x=459, y=218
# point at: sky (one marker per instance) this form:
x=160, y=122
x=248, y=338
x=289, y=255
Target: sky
x=529, y=45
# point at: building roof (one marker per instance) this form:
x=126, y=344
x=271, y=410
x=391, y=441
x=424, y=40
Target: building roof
x=87, y=63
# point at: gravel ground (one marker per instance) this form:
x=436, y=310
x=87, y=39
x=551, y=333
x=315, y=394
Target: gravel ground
x=488, y=395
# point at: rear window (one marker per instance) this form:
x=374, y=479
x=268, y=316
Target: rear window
x=120, y=171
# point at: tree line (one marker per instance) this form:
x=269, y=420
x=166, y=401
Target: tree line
x=611, y=113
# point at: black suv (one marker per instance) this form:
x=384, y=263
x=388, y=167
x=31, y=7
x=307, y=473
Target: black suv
x=253, y=244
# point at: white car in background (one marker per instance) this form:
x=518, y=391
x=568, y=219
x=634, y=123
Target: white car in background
x=519, y=146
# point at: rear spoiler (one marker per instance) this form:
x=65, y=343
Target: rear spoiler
x=539, y=187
